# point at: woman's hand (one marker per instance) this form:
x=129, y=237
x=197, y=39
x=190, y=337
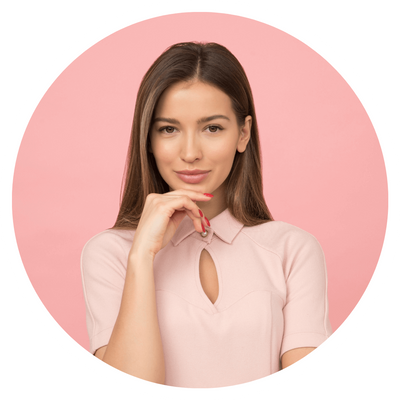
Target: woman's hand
x=161, y=216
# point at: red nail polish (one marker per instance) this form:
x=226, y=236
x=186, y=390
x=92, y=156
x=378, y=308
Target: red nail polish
x=204, y=229
x=208, y=222
x=208, y=194
x=201, y=214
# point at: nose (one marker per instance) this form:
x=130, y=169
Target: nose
x=191, y=148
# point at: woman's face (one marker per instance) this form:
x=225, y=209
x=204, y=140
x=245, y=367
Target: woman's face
x=195, y=127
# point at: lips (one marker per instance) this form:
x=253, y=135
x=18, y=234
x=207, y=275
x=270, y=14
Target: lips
x=194, y=176
x=192, y=171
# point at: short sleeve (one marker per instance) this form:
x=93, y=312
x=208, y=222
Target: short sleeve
x=103, y=269
x=306, y=321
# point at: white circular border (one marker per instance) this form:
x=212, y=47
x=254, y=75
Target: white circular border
x=142, y=13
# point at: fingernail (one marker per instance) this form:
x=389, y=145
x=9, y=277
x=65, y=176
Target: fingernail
x=208, y=222
x=208, y=195
x=201, y=214
x=204, y=229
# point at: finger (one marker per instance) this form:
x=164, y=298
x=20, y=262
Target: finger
x=195, y=196
x=195, y=216
x=200, y=214
x=201, y=196
x=184, y=203
x=204, y=219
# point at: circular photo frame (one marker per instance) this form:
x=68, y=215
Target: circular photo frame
x=54, y=171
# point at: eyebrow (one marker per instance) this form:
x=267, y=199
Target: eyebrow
x=199, y=121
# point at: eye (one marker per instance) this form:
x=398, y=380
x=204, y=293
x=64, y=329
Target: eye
x=214, y=128
x=167, y=129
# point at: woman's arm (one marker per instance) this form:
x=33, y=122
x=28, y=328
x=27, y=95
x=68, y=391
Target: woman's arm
x=135, y=345
x=294, y=355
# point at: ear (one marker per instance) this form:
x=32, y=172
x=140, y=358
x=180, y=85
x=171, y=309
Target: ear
x=244, y=136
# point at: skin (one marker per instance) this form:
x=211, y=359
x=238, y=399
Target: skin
x=180, y=143
x=187, y=144
x=294, y=355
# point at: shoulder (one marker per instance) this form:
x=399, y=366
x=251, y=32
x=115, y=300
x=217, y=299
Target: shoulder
x=273, y=232
x=300, y=253
x=106, y=245
x=281, y=237
x=109, y=239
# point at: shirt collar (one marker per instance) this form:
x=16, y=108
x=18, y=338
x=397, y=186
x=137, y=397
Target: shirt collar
x=224, y=225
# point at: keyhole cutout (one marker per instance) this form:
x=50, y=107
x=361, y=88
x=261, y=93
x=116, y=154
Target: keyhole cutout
x=208, y=276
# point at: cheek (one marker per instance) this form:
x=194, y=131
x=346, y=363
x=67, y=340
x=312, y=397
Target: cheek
x=163, y=153
x=222, y=154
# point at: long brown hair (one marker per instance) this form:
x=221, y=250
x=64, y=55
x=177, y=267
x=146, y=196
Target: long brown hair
x=209, y=63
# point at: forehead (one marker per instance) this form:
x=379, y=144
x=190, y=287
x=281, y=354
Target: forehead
x=194, y=98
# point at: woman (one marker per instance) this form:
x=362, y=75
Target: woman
x=196, y=285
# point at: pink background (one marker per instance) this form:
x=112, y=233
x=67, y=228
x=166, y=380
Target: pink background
x=323, y=168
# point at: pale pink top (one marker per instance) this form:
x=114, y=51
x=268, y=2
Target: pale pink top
x=272, y=298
